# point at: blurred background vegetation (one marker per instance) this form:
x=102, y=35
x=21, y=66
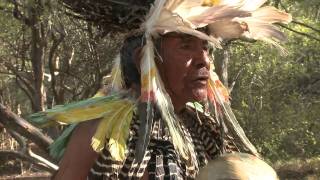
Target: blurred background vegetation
x=49, y=56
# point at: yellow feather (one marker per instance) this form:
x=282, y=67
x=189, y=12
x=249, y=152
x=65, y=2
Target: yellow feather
x=210, y=2
x=105, y=127
x=120, y=133
x=86, y=113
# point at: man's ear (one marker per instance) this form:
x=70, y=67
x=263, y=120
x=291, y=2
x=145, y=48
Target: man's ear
x=137, y=55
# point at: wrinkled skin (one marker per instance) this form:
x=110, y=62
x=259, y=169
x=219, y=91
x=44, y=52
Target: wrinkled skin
x=184, y=68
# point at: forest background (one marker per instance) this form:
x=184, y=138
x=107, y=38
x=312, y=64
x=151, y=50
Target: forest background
x=49, y=55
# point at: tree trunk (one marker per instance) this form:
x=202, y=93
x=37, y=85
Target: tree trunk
x=23, y=127
x=221, y=61
x=37, y=59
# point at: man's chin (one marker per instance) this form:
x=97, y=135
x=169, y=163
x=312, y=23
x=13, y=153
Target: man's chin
x=199, y=95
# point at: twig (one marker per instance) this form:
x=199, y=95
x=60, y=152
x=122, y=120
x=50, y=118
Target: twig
x=300, y=33
x=306, y=25
x=42, y=160
x=235, y=80
x=15, y=154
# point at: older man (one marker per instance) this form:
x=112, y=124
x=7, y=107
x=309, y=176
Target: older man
x=184, y=68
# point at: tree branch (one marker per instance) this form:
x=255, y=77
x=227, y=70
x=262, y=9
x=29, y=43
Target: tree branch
x=24, y=80
x=17, y=13
x=305, y=25
x=15, y=154
x=16, y=123
x=300, y=33
x=25, y=90
x=235, y=79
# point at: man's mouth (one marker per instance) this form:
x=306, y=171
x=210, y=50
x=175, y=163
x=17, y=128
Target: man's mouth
x=201, y=79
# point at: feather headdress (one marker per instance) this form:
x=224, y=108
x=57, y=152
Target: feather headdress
x=225, y=19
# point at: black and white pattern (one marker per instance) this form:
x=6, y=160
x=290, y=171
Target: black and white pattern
x=161, y=161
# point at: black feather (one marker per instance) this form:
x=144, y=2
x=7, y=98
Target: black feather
x=146, y=114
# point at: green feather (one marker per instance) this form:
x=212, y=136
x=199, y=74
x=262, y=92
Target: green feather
x=58, y=147
x=47, y=117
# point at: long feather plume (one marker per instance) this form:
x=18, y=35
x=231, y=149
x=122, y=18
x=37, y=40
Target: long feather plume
x=148, y=69
x=145, y=107
x=220, y=100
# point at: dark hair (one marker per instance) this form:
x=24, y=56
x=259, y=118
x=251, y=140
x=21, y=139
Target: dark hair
x=130, y=72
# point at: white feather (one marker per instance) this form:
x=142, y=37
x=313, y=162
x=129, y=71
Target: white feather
x=251, y=5
x=230, y=120
x=117, y=81
x=153, y=16
x=226, y=29
x=168, y=19
x=217, y=13
x=271, y=15
x=173, y=4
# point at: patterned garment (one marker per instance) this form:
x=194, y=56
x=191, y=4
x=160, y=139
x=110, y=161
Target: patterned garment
x=161, y=160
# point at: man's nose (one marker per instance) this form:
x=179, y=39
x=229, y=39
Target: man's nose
x=200, y=58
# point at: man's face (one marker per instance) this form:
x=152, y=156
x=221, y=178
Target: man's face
x=184, y=68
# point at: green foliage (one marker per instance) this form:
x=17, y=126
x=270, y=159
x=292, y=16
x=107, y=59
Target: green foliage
x=277, y=98
x=80, y=47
